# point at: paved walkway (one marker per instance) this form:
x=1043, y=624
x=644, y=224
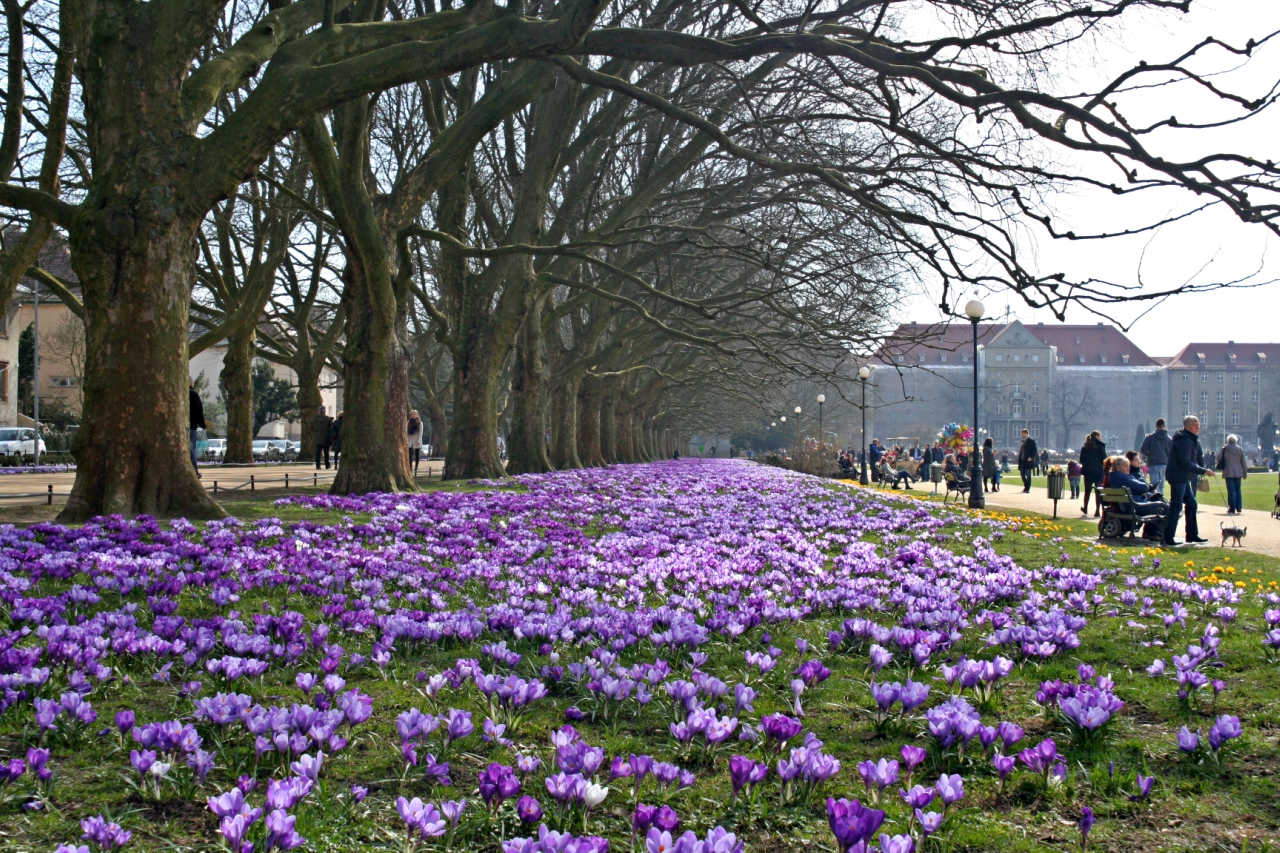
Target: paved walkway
x=33, y=489
x=1263, y=536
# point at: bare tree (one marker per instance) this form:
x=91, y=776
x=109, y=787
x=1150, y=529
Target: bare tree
x=1072, y=402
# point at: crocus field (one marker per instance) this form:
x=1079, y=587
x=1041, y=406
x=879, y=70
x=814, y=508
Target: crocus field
x=682, y=657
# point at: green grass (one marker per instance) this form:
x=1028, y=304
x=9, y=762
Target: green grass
x=1194, y=807
x=1258, y=491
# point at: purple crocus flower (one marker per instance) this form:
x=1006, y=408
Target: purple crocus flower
x=528, y=810
x=1087, y=821
x=1188, y=741
x=852, y=823
x=950, y=788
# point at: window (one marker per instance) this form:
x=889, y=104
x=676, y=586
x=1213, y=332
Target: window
x=1221, y=376
x=1204, y=377
x=965, y=359
x=1232, y=358
x=1186, y=377
x=1235, y=377
x=1235, y=419
x=999, y=408
x=1035, y=358
x=922, y=358
x=942, y=358
x=1235, y=396
x=1255, y=395
x=1017, y=387
x=1125, y=359
x=1035, y=386
x=1035, y=430
x=1035, y=407
x=1061, y=360
x=998, y=431
x=1255, y=376
x=1000, y=358
x=1204, y=396
x=64, y=381
x=1220, y=419
x=1186, y=396
x=4, y=381
x=1082, y=359
x=1104, y=359
x=1017, y=358
x=1220, y=396
x=901, y=359
x=1017, y=408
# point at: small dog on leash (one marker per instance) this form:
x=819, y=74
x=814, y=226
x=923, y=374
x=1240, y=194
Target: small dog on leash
x=1234, y=533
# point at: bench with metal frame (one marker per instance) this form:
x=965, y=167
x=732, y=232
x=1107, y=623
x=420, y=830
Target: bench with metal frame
x=961, y=490
x=1112, y=523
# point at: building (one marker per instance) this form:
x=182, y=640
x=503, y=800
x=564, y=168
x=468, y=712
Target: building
x=209, y=362
x=1056, y=381
x=1231, y=387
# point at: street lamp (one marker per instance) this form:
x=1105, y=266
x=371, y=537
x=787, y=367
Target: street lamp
x=822, y=398
x=974, y=310
x=864, y=373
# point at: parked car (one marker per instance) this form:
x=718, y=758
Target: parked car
x=272, y=449
x=217, y=450
x=19, y=441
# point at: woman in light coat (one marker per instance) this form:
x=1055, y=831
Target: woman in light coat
x=1235, y=468
x=415, y=440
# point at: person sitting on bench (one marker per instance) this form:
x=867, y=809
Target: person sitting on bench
x=951, y=467
x=1146, y=500
x=893, y=477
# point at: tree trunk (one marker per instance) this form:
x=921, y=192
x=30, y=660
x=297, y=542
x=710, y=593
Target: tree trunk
x=374, y=379
x=133, y=447
x=626, y=436
x=564, y=425
x=237, y=384
x=590, y=396
x=309, y=403
x=473, y=434
x=609, y=423
x=527, y=446
x=439, y=429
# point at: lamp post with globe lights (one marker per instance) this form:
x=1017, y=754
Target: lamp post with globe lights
x=864, y=373
x=822, y=398
x=974, y=310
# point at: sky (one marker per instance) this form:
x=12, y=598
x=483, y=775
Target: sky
x=1212, y=246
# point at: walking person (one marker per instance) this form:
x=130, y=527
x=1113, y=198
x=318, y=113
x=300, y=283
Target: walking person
x=1234, y=468
x=1155, y=450
x=1028, y=458
x=1185, y=465
x=320, y=423
x=1073, y=477
x=196, y=424
x=1092, y=456
x=1044, y=462
x=335, y=438
x=415, y=440
x=990, y=472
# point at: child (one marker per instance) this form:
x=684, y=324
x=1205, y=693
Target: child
x=1073, y=477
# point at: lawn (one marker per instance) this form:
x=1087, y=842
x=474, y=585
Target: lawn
x=524, y=649
x=1258, y=491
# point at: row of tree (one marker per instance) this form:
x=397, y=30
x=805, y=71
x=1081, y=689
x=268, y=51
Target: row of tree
x=603, y=222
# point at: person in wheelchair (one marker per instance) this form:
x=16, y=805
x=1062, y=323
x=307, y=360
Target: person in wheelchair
x=1147, y=500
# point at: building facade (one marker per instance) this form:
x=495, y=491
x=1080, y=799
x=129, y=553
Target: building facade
x=1058, y=382
x=1231, y=387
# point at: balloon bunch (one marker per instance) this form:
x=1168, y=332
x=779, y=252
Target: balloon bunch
x=956, y=436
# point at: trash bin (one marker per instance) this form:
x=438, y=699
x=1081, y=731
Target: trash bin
x=1057, y=479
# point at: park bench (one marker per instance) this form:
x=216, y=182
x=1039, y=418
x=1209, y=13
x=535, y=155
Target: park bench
x=1119, y=510
x=953, y=486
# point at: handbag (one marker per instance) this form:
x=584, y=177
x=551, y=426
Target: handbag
x=1202, y=484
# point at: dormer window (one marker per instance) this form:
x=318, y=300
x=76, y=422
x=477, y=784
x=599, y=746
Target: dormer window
x=1200, y=356
x=1262, y=357
x=1082, y=359
x=1232, y=358
x=1104, y=358
x=942, y=358
x=1000, y=358
x=1077, y=339
x=965, y=359
x=901, y=359
x=1125, y=359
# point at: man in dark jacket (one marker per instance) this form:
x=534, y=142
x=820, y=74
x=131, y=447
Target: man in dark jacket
x=874, y=452
x=1155, y=450
x=1028, y=459
x=335, y=438
x=1183, y=468
x=197, y=423
x=320, y=423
